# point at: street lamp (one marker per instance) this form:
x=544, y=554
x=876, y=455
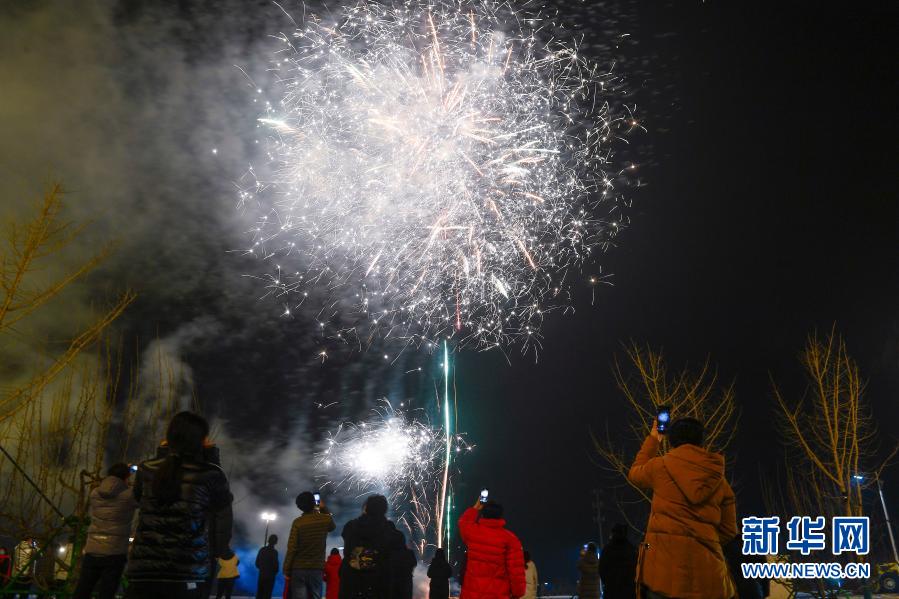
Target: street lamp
x=859, y=478
x=886, y=516
x=268, y=517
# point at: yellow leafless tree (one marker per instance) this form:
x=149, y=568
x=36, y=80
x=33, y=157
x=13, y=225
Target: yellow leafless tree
x=29, y=251
x=647, y=385
x=829, y=430
x=831, y=444
x=63, y=438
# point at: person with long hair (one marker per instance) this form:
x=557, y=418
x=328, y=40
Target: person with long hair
x=172, y=550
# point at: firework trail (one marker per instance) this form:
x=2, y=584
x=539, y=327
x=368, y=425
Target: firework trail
x=444, y=164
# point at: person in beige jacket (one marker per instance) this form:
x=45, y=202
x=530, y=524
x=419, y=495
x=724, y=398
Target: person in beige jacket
x=532, y=584
x=112, y=507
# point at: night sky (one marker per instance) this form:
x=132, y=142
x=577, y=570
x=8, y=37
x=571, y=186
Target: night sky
x=766, y=211
x=769, y=213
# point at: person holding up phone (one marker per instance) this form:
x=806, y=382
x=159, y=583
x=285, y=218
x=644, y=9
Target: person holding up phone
x=112, y=506
x=693, y=513
x=304, y=560
x=495, y=566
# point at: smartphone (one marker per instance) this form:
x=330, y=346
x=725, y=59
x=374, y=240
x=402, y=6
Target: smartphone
x=133, y=467
x=484, y=494
x=318, y=498
x=664, y=419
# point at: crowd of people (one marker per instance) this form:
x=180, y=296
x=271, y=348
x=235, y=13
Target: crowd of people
x=181, y=547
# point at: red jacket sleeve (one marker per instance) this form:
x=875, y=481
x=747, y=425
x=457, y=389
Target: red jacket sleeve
x=515, y=567
x=468, y=519
x=641, y=472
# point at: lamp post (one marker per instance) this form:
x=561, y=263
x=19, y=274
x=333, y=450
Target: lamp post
x=268, y=517
x=860, y=478
x=886, y=516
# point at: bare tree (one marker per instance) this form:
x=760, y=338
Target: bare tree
x=829, y=428
x=646, y=385
x=831, y=445
x=29, y=251
x=56, y=411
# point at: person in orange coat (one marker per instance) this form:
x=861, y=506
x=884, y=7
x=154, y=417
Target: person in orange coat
x=495, y=565
x=693, y=514
x=332, y=574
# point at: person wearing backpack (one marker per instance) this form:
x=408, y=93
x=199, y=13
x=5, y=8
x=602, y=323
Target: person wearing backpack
x=368, y=542
x=304, y=561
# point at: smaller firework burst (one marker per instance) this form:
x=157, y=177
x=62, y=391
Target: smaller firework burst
x=395, y=454
x=388, y=452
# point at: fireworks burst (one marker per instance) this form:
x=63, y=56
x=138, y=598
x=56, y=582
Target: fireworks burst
x=442, y=163
x=394, y=454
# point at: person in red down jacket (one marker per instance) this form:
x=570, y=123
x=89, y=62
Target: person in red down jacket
x=332, y=574
x=495, y=565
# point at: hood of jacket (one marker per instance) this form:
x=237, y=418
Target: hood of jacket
x=492, y=522
x=111, y=487
x=696, y=472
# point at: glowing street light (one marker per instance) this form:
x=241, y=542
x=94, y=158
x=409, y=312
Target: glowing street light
x=268, y=517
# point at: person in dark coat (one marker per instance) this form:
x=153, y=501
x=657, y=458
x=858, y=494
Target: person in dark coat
x=402, y=566
x=267, y=564
x=440, y=573
x=588, y=568
x=112, y=506
x=367, y=545
x=747, y=588
x=618, y=566
x=172, y=551
x=222, y=518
